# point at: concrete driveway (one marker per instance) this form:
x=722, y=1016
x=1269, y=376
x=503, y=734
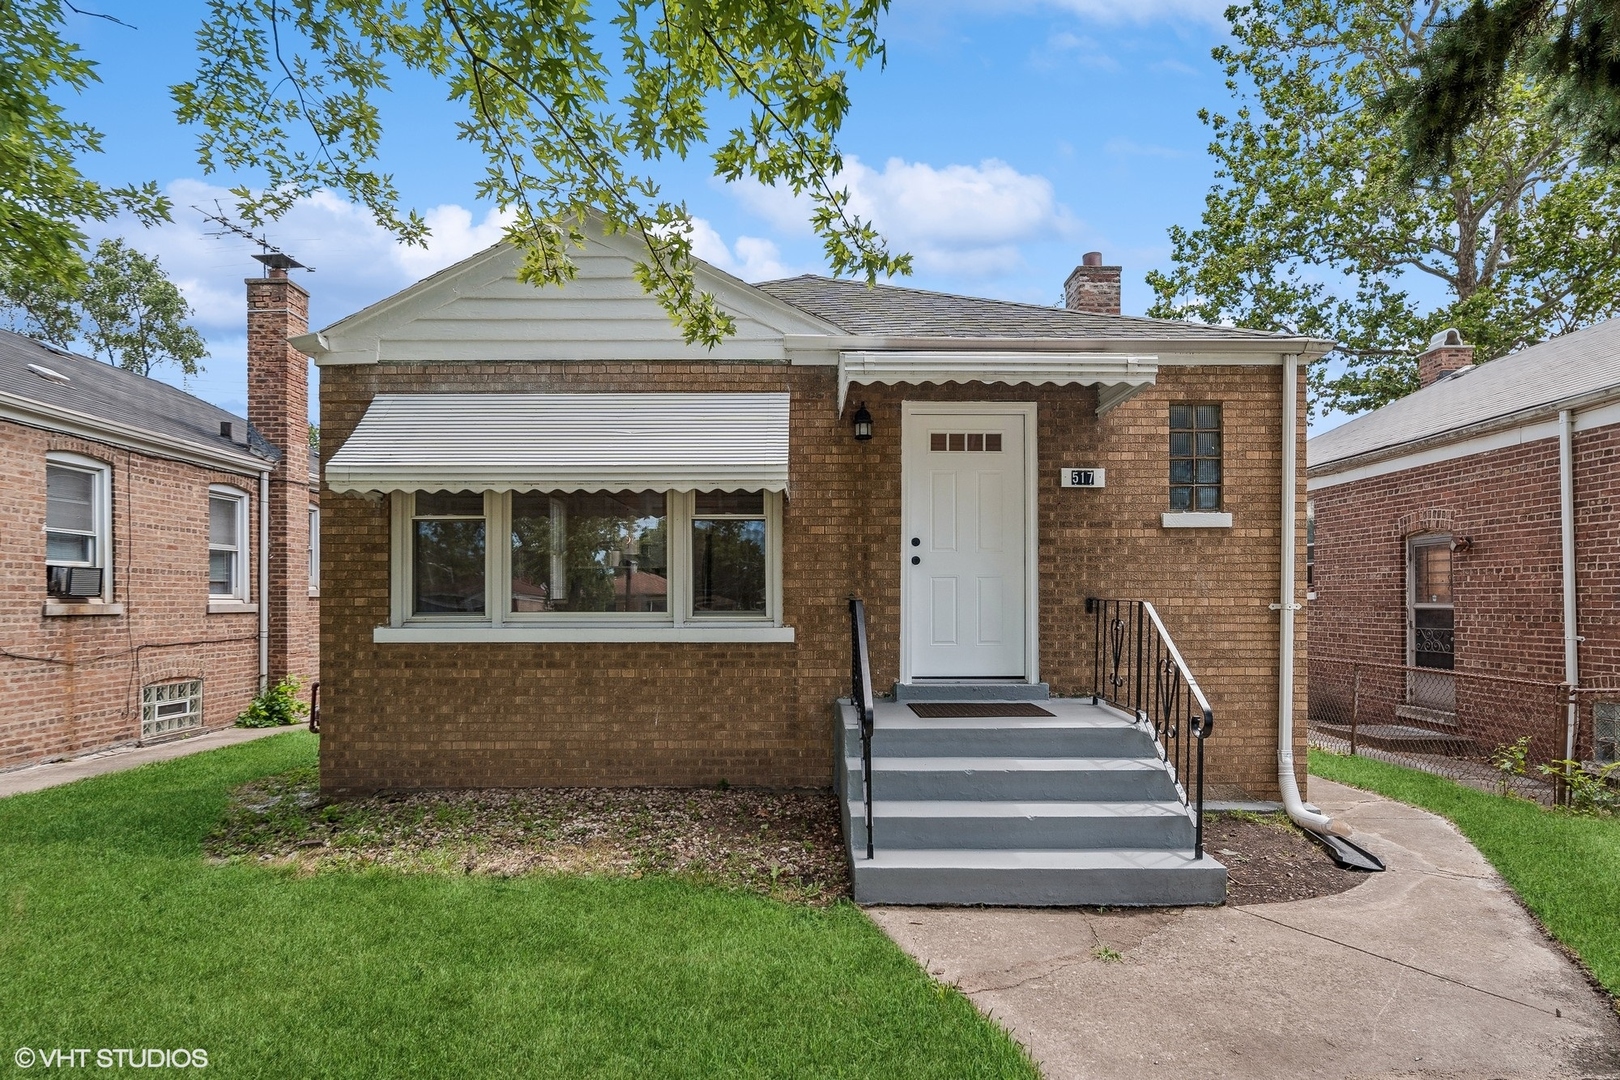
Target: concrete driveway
x=1428, y=970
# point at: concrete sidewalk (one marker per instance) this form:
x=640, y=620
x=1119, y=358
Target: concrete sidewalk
x=39, y=777
x=1428, y=970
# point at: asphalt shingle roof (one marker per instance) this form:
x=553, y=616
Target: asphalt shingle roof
x=897, y=311
x=110, y=393
x=1584, y=362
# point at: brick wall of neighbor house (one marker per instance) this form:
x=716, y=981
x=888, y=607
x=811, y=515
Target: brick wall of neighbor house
x=70, y=684
x=430, y=715
x=1507, y=585
x=278, y=407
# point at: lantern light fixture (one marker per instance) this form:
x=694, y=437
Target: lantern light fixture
x=863, y=424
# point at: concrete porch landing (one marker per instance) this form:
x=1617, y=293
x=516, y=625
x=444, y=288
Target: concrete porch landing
x=1430, y=970
x=1072, y=808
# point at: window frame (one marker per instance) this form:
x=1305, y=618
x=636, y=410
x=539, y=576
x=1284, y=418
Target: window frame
x=314, y=550
x=243, y=549
x=1415, y=544
x=101, y=507
x=678, y=621
x=1220, y=458
x=1310, y=549
x=150, y=705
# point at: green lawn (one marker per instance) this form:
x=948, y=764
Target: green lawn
x=114, y=932
x=1565, y=868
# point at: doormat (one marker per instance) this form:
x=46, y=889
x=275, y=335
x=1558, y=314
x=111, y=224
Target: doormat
x=939, y=710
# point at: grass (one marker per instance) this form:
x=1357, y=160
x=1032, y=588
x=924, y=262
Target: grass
x=116, y=932
x=1565, y=867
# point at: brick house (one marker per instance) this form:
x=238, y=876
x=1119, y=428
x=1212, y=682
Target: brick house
x=1470, y=532
x=686, y=526
x=147, y=595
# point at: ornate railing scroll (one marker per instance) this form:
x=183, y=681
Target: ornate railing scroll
x=1136, y=667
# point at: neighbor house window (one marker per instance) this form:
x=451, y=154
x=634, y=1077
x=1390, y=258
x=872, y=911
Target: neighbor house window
x=1310, y=548
x=1431, y=615
x=729, y=554
x=1195, y=457
x=314, y=547
x=227, y=543
x=650, y=558
x=172, y=707
x=78, y=507
x=590, y=552
x=447, y=553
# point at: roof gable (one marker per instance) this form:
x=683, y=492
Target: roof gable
x=478, y=311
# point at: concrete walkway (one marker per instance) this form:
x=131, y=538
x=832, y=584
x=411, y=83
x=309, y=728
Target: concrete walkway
x=39, y=777
x=1428, y=970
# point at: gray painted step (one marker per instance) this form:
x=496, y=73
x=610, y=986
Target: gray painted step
x=971, y=690
x=991, y=826
x=1118, y=877
x=1022, y=736
x=1095, y=779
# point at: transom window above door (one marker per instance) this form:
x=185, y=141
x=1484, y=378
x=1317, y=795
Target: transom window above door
x=986, y=442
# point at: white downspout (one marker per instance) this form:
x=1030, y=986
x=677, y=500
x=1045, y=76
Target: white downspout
x=1287, y=605
x=264, y=580
x=1566, y=521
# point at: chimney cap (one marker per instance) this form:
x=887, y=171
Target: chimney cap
x=1091, y=258
x=1450, y=338
x=277, y=260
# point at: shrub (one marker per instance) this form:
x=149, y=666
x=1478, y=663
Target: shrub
x=277, y=706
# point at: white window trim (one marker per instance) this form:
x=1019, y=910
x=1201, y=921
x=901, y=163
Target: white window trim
x=314, y=550
x=102, y=473
x=498, y=624
x=1196, y=519
x=237, y=598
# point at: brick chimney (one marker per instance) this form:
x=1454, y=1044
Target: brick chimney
x=278, y=408
x=1092, y=287
x=1446, y=353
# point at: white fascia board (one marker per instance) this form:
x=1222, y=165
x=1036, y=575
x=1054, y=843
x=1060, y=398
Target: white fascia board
x=69, y=422
x=1180, y=351
x=1502, y=438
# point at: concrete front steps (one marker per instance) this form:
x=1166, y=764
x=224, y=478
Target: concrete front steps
x=1071, y=809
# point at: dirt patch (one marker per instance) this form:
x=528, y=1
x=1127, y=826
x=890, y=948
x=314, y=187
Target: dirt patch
x=785, y=845
x=1269, y=860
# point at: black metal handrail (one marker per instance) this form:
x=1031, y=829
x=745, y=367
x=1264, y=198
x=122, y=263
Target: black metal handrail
x=1137, y=667
x=860, y=696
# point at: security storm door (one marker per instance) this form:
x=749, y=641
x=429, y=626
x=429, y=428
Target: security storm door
x=963, y=549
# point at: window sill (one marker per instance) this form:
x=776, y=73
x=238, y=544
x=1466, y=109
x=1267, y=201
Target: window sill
x=1191, y=519
x=314, y=593
x=582, y=634
x=231, y=607
x=54, y=609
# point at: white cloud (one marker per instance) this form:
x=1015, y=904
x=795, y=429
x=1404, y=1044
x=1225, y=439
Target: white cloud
x=751, y=258
x=1112, y=12
x=1067, y=49
x=965, y=220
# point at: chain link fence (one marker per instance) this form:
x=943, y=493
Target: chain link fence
x=1461, y=724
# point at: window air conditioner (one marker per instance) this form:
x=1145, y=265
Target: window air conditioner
x=76, y=581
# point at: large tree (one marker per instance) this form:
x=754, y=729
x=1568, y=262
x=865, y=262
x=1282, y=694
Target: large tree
x=124, y=308
x=291, y=92
x=45, y=200
x=1315, y=226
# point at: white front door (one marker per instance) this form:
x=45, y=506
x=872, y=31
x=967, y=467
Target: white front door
x=963, y=547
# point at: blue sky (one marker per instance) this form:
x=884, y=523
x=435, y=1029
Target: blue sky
x=1001, y=142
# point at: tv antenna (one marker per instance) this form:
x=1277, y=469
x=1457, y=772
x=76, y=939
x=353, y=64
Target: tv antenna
x=271, y=256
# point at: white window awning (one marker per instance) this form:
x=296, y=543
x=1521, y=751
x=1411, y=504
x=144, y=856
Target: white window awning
x=566, y=442
x=1118, y=376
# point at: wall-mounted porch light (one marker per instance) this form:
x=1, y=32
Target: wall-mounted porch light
x=863, y=423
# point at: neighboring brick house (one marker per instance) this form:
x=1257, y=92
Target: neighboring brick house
x=1439, y=540
x=679, y=528
x=139, y=602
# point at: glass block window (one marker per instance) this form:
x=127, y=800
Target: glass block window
x=167, y=708
x=1606, y=732
x=729, y=553
x=1195, y=457
x=590, y=551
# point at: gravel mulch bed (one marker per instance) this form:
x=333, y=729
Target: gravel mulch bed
x=1269, y=860
x=784, y=845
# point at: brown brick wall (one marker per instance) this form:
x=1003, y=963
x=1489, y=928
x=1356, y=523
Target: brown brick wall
x=73, y=684
x=403, y=716
x=1507, y=585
